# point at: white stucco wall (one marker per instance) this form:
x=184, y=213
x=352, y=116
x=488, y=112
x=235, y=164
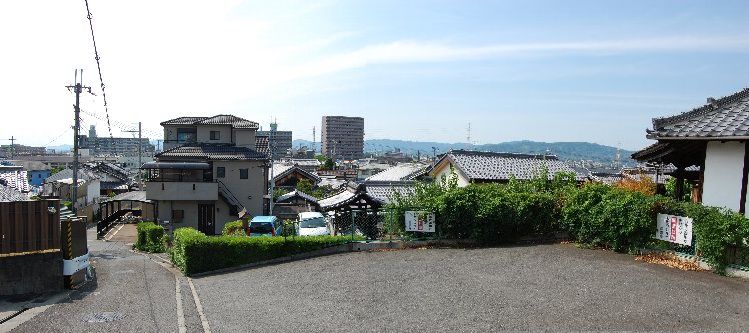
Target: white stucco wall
x=444, y=170
x=724, y=163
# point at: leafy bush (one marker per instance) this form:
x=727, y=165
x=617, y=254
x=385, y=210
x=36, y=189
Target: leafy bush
x=194, y=252
x=150, y=237
x=717, y=230
x=234, y=228
x=621, y=217
x=602, y=215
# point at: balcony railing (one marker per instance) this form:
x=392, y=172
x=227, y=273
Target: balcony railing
x=202, y=190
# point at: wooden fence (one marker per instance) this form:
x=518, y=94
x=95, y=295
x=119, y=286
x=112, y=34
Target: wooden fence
x=28, y=226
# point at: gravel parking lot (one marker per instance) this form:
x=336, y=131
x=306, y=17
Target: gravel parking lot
x=557, y=287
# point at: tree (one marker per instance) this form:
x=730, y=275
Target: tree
x=304, y=185
x=328, y=164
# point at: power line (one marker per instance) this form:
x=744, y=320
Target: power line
x=98, y=65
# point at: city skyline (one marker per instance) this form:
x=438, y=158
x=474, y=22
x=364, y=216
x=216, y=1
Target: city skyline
x=421, y=71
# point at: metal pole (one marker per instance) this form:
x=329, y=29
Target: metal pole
x=140, y=159
x=78, y=89
x=272, y=181
x=353, y=224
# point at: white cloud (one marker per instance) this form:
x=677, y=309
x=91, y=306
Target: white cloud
x=162, y=59
x=425, y=51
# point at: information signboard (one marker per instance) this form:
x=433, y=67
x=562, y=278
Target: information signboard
x=419, y=221
x=674, y=229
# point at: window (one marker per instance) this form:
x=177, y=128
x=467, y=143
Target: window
x=243, y=173
x=185, y=135
x=220, y=172
x=215, y=135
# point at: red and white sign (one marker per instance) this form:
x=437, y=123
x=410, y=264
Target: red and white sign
x=419, y=221
x=674, y=229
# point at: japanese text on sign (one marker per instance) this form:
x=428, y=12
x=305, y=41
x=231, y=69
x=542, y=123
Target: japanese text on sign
x=419, y=221
x=674, y=229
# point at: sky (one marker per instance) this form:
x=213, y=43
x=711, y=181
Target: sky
x=595, y=71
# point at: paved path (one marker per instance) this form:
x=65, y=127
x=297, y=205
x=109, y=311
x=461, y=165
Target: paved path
x=546, y=287
x=127, y=283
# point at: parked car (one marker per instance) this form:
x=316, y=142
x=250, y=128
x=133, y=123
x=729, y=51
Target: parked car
x=265, y=226
x=312, y=224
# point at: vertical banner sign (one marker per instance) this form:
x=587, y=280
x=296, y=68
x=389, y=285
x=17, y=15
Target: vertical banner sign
x=419, y=221
x=674, y=229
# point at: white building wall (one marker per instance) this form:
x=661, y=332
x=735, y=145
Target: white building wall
x=446, y=172
x=724, y=163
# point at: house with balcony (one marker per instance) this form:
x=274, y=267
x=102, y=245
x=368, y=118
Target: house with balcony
x=209, y=172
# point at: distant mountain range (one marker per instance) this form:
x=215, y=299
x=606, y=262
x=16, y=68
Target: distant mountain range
x=564, y=150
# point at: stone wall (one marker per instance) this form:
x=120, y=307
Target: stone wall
x=33, y=273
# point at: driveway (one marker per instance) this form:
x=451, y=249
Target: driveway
x=545, y=287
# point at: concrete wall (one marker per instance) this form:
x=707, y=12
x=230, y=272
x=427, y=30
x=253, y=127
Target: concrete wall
x=182, y=191
x=190, y=209
x=249, y=191
x=225, y=133
x=34, y=273
x=244, y=138
x=724, y=164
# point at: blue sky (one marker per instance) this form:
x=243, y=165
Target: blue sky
x=594, y=71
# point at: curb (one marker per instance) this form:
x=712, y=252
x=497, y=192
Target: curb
x=344, y=248
x=730, y=271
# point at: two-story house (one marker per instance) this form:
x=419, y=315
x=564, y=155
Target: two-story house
x=208, y=172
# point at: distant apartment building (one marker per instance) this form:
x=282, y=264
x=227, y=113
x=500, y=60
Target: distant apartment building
x=113, y=146
x=209, y=172
x=343, y=137
x=279, y=141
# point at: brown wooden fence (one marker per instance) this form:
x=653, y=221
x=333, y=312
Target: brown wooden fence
x=27, y=226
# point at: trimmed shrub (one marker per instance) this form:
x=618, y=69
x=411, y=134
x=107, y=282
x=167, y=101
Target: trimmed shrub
x=620, y=219
x=716, y=231
x=150, y=237
x=233, y=228
x=194, y=252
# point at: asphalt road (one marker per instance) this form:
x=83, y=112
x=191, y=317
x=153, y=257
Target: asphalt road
x=545, y=287
x=127, y=283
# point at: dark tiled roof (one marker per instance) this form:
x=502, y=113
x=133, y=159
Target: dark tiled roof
x=208, y=151
x=725, y=117
x=300, y=194
x=403, y=171
x=8, y=193
x=183, y=121
x=385, y=191
x=261, y=144
x=503, y=166
x=224, y=119
x=313, y=177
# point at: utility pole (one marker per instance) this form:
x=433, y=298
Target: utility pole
x=12, y=146
x=77, y=89
x=140, y=153
x=314, y=144
x=272, y=181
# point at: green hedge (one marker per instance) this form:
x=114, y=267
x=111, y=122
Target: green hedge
x=592, y=214
x=233, y=228
x=194, y=252
x=150, y=237
x=601, y=215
